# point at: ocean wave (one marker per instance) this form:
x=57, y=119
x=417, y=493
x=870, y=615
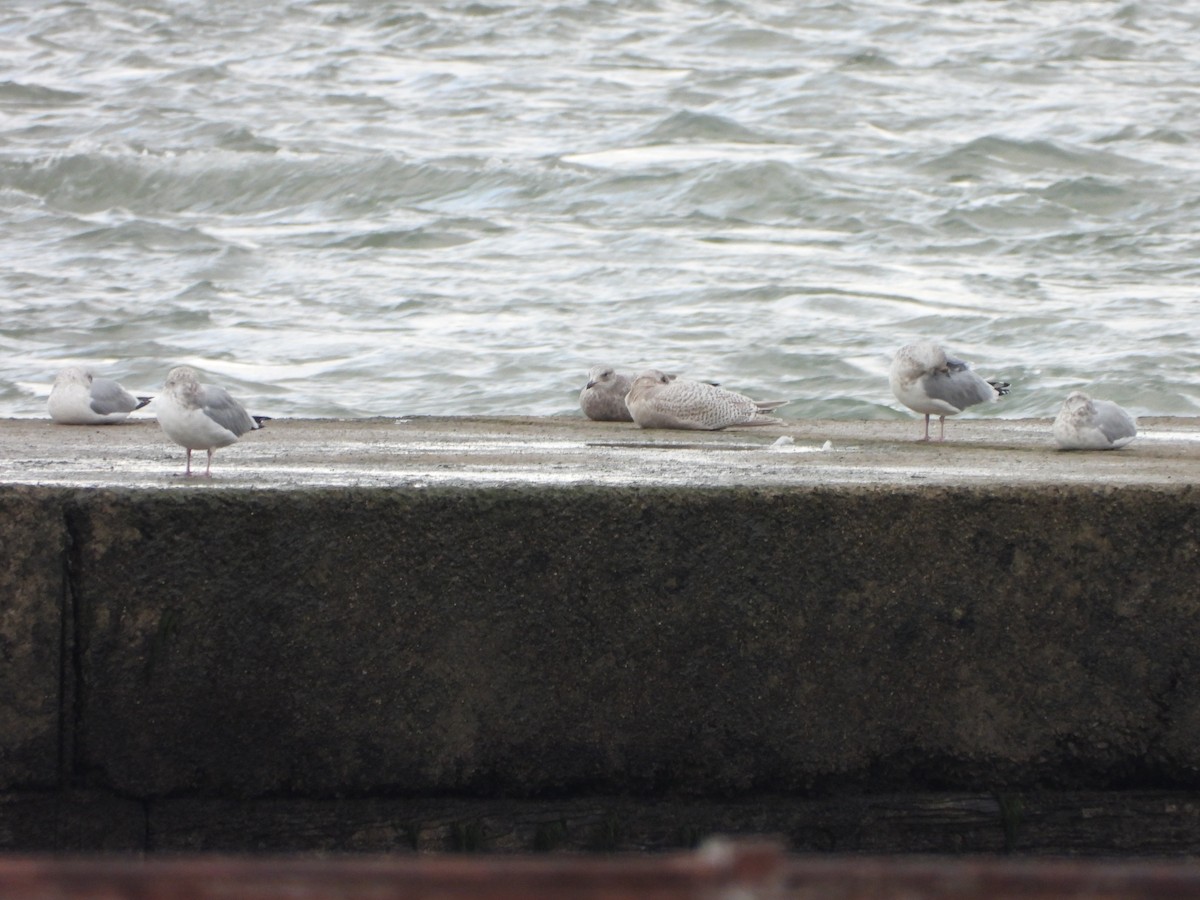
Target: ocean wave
x=688, y=126
x=38, y=95
x=250, y=184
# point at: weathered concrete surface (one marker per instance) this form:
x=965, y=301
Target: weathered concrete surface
x=32, y=592
x=555, y=608
x=1060, y=823
x=525, y=641
x=427, y=452
x=67, y=821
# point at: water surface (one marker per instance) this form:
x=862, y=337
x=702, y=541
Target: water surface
x=354, y=208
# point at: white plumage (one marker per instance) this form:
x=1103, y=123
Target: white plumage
x=80, y=398
x=200, y=416
x=926, y=379
x=1086, y=424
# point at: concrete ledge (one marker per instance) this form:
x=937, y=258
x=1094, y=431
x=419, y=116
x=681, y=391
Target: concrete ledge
x=747, y=630
x=419, y=453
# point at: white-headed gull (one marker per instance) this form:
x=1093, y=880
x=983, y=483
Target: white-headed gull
x=928, y=380
x=1086, y=424
x=80, y=398
x=200, y=416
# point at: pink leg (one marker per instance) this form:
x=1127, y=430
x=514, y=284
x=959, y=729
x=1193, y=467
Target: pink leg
x=188, y=469
x=943, y=434
x=208, y=468
x=926, y=428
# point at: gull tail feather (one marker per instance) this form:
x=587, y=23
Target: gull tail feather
x=764, y=420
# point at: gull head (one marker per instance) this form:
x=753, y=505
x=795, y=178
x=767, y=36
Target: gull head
x=1079, y=404
x=74, y=375
x=600, y=375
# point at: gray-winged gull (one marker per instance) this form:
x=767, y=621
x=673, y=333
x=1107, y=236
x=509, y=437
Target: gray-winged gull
x=200, y=416
x=80, y=398
x=926, y=379
x=1086, y=424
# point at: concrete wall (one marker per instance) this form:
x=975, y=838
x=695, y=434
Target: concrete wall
x=535, y=644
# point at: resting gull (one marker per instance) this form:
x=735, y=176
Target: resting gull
x=80, y=398
x=1087, y=424
x=659, y=400
x=603, y=398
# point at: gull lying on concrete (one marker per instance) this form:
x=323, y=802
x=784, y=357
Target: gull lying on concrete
x=603, y=397
x=928, y=380
x=80, y=398
x=658, y=400
x=1086, y=424
x=200, y=416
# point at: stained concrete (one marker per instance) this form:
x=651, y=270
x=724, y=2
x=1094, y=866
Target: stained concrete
x=524, y=641
x=533, y=609
x=32, y=593
x=558, y=451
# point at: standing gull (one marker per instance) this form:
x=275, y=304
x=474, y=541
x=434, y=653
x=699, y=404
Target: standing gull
x=928, y=380
x=1087, y=424
x=200, y=416
x=658, y=400
x=80, y=398
x=603, y=398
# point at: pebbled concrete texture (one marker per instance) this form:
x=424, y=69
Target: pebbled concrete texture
x=547, y=609
x=32, y=595
x=520, y=642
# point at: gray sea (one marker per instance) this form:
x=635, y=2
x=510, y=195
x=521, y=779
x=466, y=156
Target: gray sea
x=360, y=207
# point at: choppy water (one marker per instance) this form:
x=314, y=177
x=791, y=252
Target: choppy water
x=356, y=207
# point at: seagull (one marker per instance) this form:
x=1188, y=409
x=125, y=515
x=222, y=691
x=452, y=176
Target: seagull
x=926, y=379
x=603, y=398
x=80, y=398
x=659, y=400
x=1087, y=424
x=201, y=416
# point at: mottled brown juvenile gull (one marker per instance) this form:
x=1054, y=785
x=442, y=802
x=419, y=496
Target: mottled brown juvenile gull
x=200, y=416
x=1086, y=424
x=658, y=400
x=926, y=379
x=603, y=397
x=80, y=398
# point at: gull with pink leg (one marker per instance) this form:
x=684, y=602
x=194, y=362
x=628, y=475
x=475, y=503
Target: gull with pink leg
x=928, y=380
x=201, y=416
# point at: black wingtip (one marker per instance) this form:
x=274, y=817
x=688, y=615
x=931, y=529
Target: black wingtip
x=259, y=421
x=142, y=401
x=1000, y=386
